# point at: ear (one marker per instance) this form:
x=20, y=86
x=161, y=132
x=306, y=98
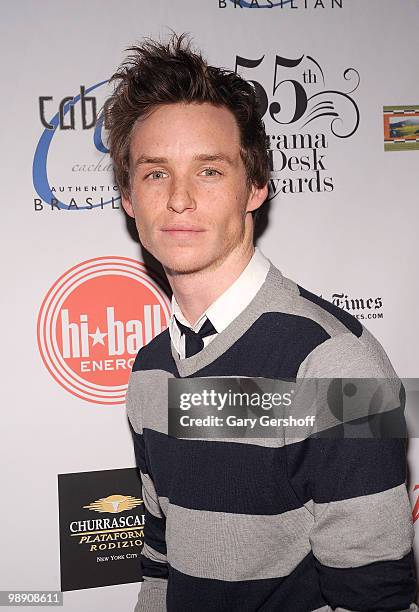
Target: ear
x=127, y=204
x=257, y=196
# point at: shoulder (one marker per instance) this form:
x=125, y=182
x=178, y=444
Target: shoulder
x=154, y=355
x=328, y=315
x=348, y=349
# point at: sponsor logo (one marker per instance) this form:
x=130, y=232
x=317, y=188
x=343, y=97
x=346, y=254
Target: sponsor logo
x=401, y=128
x=103, y=550
x=71, y=168
x=114, y=503
x=282, y=4
x=303, y=116
x=94, y=320
x=359, y=307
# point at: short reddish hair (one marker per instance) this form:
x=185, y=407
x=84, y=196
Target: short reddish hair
x=157, y=73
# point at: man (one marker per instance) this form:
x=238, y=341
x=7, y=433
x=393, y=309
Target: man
x=313, y=524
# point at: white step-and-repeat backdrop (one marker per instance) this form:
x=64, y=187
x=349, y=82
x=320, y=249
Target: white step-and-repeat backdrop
x=337, y=81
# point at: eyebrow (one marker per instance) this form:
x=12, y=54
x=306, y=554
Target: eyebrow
x=222, y=157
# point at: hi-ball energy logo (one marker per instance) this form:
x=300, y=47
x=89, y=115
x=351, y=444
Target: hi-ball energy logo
x=308, y=114
x=94, y=320
x=71, y=168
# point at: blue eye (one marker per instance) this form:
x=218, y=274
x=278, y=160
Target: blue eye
x=156, y=174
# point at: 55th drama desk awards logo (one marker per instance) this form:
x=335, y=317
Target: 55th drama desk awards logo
x=304, y=110
x=94, y=320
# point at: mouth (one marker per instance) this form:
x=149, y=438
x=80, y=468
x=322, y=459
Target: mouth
x=182, y=231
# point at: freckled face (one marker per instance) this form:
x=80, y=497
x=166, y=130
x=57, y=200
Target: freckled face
x=189, y=194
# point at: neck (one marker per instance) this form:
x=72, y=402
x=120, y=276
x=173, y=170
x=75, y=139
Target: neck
x=195, y=292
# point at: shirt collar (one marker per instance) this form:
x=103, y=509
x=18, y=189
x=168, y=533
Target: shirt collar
x=230, y=303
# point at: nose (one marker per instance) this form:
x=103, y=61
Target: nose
x=180, y=197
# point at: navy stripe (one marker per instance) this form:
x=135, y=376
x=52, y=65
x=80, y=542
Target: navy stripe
x=273, y=347
x=251, y=354
x=396, y=580
x=298, y=592
x=220, y=476
x=155, y=532
x=156, y=355
x=153, y=569
x=333, y=469
x=349, y=321
x=252, y=479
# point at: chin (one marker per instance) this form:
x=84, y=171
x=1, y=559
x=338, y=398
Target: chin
x=183, y=267
x=184, y=264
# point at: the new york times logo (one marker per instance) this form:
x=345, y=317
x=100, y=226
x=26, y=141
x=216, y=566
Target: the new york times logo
x=360, y=307
x=281, y=4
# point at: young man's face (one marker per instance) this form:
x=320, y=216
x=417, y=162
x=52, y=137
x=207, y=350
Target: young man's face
x=189, y=194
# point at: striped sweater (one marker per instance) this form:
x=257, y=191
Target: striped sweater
x=262, y=524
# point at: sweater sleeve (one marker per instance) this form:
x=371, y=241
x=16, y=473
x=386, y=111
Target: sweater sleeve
x=152, y=595
x=355, y=488
x=153, y=559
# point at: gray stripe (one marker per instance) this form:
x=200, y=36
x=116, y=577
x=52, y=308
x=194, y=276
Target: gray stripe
x=232, y=547
x=148, y=393
x=146, y=399
x=147, y=407
x=153, y=555
x=152, y=595
x=347, y=356
x=150, y=496
x=365, y=529
x=164, y=504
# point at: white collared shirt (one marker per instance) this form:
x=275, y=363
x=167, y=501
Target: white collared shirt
x=227, y=306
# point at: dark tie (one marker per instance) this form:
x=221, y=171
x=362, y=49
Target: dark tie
x=194, y=340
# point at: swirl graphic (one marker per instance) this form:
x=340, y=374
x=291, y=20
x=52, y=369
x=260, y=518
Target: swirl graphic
x=338, y=105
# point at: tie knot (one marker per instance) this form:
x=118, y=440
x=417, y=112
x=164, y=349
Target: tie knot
x=194, y=340
x=206, y=329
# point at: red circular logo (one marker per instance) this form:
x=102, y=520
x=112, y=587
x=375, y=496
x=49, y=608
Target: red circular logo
x=94, y=320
